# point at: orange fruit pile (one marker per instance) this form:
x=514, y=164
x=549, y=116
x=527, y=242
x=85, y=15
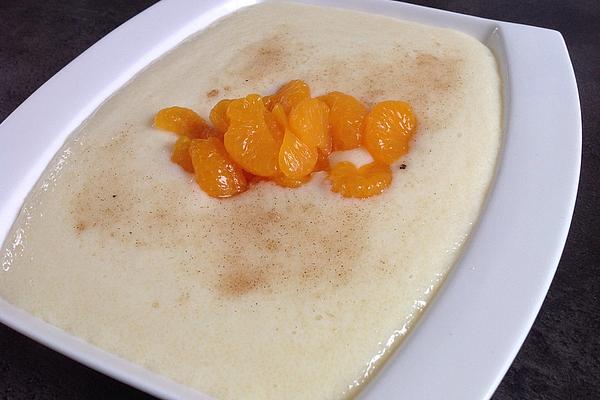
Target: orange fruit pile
x=287, y=136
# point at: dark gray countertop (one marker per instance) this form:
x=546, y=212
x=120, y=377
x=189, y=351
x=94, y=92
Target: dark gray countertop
x=561, y=356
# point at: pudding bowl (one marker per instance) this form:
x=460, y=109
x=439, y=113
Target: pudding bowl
x=113, y=256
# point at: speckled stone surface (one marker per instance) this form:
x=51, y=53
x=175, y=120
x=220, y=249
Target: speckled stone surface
x=561, y=356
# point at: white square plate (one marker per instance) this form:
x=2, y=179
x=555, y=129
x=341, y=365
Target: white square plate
x=468, y=337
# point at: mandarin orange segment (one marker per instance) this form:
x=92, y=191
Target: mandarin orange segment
x=182, y=121
x=296, y=159
x=218, y=115
x=244, y=108
x=268, y=102
x=322, y=162
x=274, y=127
x=290, y=94
x=248, y=139
x=284, y=181
x=181, y=153
x=369, y=180
x=389, y=127
x=280, y=116
x=309, y=120
x=215, y=172
x=346, y=118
